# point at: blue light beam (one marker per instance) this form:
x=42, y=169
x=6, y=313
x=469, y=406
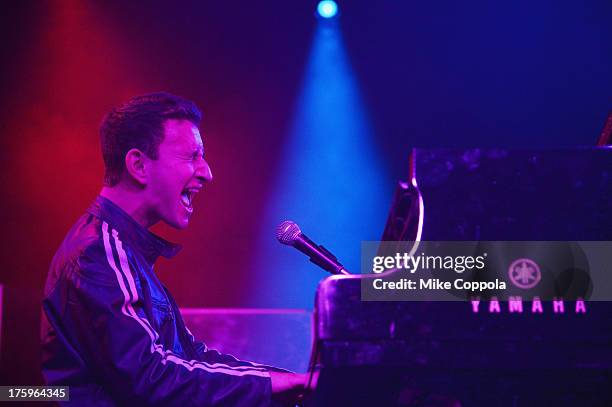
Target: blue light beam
x=330, y=180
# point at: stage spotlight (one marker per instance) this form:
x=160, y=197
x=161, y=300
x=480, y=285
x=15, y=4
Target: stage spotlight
x=327, y=8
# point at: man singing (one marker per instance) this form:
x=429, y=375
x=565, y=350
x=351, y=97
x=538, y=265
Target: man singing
x=111, y=331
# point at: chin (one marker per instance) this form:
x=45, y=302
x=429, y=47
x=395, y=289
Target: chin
x=179, y=224
x=182, y=225
x=177, y=218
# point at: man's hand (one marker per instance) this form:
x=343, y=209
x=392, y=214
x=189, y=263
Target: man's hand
x=292, y=387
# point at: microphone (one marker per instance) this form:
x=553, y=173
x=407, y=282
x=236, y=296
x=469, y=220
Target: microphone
x=289, y=233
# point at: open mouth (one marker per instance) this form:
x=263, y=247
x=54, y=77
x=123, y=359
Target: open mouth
x=187, y=198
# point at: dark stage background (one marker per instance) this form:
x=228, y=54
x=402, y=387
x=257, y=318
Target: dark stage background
x=429, y=74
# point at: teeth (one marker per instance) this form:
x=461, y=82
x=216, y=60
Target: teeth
x=186, y=198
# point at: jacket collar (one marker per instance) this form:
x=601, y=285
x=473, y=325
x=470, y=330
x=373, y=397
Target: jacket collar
x=147, y=243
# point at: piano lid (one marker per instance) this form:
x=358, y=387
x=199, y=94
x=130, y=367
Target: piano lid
x=496, y=194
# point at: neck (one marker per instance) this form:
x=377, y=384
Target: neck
x=131, y=201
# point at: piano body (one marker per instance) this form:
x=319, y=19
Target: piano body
x=445, y=353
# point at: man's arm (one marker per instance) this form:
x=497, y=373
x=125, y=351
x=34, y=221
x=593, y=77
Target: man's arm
x=287, y=387
x=212, y=355
x=120, y=346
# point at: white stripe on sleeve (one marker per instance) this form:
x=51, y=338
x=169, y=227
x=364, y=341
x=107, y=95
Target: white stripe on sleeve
x=128, y=310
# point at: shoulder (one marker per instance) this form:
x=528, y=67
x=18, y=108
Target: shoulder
x=83, y=253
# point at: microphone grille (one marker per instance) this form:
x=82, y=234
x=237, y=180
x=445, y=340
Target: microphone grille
x=287, y=231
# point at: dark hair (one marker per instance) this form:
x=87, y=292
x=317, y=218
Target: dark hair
x=139, y=123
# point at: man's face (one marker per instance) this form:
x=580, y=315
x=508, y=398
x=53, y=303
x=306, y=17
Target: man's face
x=178, y=174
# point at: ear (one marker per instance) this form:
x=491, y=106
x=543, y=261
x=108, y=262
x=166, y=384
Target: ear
x=135, y=165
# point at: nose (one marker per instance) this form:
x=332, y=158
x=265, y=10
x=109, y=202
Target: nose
x=203, y=172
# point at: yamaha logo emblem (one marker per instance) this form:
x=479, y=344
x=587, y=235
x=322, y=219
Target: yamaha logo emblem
x=524, y=273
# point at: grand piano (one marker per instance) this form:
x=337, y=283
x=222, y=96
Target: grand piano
x=427, y=353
